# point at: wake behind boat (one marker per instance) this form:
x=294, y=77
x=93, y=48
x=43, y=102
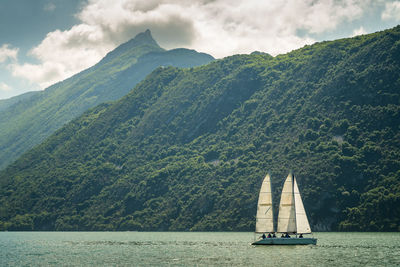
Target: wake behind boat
x=292, y=218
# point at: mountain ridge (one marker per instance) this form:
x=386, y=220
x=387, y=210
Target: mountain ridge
x=29, y=121
x=6, y=103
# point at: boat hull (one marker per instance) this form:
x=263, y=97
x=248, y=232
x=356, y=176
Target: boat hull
x=286, y=241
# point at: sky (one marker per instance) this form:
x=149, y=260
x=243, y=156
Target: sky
x=46, y=41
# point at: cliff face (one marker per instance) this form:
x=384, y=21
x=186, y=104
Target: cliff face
x=187, y=149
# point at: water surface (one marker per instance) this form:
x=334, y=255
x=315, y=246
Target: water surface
x=192, y=249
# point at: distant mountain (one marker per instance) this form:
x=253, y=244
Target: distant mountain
x=6, y=103
x=187, y=149
x=27, y=121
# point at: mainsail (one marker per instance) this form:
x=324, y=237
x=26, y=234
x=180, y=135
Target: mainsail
x=287, y=212
x=292, y=216
x=264, y=218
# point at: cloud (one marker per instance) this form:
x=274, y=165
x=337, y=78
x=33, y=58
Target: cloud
x=392, y=11
x=120, y=20
x=4, y=87
x=222, y=27
x=218, y=27
x=62, y=54
x=229, y=27
x=7, y=53
x=359, y=31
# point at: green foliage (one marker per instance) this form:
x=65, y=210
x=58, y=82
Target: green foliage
x=28, y=119
x=187, y=149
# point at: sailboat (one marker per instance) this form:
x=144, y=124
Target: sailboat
x=292, y=217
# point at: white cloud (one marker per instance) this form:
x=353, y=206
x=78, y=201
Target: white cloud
x=62, y=54
x=218, y=27
x=359, y=31
x=7, y=53
x=229, y=27
x=392, y=11
x=4, y=87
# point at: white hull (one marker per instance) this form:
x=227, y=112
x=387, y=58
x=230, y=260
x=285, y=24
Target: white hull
x=286, y=241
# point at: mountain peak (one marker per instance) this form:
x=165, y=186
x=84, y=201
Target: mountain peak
x=143, y=38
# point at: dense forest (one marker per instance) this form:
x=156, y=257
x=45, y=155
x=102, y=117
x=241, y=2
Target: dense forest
x=187, y=149
x=26, y=120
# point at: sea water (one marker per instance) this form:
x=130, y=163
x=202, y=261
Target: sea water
x=193, y=249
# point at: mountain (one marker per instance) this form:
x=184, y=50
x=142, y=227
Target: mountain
x=6, y=103
x=29, y=120
x=187, y=149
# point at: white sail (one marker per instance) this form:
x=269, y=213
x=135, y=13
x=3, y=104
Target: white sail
x=302, y=225
x=287, y=213
x=264, y=218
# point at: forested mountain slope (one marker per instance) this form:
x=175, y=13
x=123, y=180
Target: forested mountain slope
x=187, y=149
x=31, y=119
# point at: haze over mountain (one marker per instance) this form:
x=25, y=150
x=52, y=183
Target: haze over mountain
x=27, y=120
x=187, y=149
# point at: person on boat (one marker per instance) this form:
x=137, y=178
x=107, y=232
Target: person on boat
x=263, y=236
x=273, y=235
x=287, y=235
x=282, y=236
x=269, y=235
x=301, y=236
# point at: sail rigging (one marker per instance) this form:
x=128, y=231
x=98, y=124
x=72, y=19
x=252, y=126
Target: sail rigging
x=264, y=218
x=292, y=216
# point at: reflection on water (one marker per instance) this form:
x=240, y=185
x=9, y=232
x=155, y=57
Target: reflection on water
x=192, y=249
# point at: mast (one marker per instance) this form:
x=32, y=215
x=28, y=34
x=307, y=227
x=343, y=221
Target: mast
x=264, y=218
x=287, y=212
x=294, y=200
